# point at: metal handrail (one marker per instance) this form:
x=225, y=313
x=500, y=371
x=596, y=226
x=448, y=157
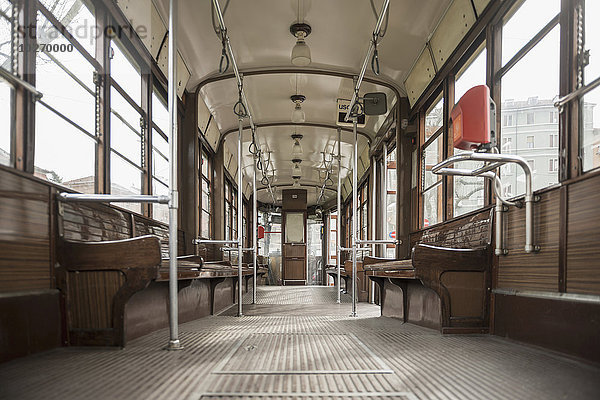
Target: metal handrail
x=212, y=241
x=357, y=249
x=378, y=241
x=112, y=198
x=560, y=103
x=493, y=161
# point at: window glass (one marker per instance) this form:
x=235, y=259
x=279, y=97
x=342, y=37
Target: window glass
x=126, y=73
x=125, y=130
x=125, y=179
x=432, y=206
x=65, y=117
x=160, y=212
x=160, y=113
x=529, y=90
x=6, y=122
x=473, y=75
x=434, y=119
x=63, y=154
x=590, y=109
x=205, y=197
x=391, y=203
x=432, y=155
x=524, y=24
x=78, y=20
x=6, y=48
x=468, y=191
x=160, y=161
x=66, y=79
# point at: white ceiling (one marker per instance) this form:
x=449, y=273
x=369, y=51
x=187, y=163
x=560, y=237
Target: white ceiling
x=260, y=38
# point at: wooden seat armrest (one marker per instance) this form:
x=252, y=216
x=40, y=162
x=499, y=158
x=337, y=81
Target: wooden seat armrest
x=370, y=260
x=446, y=258
x=139, y=252
x=390, y=264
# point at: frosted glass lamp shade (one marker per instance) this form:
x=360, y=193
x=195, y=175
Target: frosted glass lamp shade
x=301, y=53
x=298, y=115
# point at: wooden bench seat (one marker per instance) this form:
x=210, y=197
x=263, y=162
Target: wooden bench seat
x=445, y=283
x=113, y=283
x=331, y=270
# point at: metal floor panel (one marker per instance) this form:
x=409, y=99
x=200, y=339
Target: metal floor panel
x=264, y=355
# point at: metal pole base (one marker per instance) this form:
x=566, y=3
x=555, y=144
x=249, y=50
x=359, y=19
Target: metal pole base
x=338, y=301
x=174, y=345
x=353, y=315
x=239, y=315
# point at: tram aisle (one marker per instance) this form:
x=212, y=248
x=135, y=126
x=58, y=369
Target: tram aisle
x=297, y=343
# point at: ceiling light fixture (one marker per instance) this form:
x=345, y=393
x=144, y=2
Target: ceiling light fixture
x=301, y=51
x=297, y=147
x=296, y=171
x=298, y=115
x=296, y=183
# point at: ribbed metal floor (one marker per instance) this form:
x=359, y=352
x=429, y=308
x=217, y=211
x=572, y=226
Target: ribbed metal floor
x=302, y=346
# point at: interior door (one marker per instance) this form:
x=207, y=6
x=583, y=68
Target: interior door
x=294, y=248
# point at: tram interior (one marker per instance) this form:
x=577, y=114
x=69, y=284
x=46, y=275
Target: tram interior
x=382, y=199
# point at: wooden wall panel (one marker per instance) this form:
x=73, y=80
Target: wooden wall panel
x=24, y=234
x=536, y=271
x=583, y=238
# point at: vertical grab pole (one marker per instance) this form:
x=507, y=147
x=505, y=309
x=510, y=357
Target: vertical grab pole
x=174, y=343
x=240, y=213
x=373, y=224
x=354, y=215
x=385, y=201
x=338, y=233
x=254, y=230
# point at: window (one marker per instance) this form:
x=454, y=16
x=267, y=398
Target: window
x=160, y=156
x=432, y=154
x=230, y=216
x=7, y=110
x=126, y=142
x=434, y=119
x=391, y=203
x=530, y=120
x=65, y=128
x=507, y=120
x=590, y=104
x=553, y=165
x=506, y=145
x=126, y=121
x=363, y=210
x=332, y=239
x=468, y=191
x=205, y=199
x=6, y=122
x=532, y=86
